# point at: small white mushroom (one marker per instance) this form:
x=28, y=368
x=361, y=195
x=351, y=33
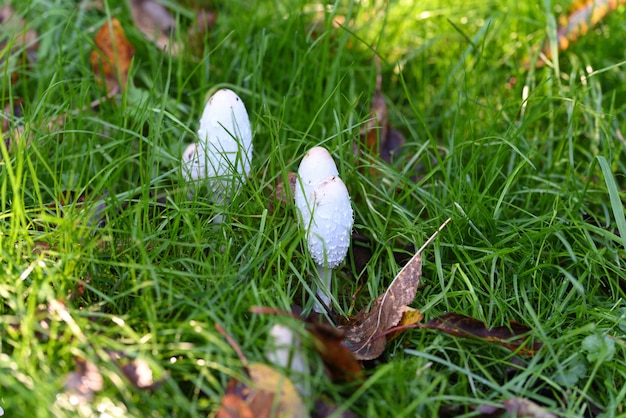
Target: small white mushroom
x=222, y=155
x=325, y=214
x=287, y=352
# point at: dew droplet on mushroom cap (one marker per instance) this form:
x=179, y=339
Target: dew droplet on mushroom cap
x=329, y=233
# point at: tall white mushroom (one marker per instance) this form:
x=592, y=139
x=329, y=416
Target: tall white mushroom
x=222, y=155
x=325, y=214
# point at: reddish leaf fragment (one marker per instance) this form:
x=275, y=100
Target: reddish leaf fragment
x=467, y=327
x=233, y=404
x=340, y=361
x=113, y=55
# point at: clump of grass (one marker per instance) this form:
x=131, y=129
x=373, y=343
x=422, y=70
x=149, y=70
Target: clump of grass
x=527, y=162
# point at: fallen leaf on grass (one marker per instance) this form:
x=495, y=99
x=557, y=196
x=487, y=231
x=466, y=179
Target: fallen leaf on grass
x=113, y=55
x=515, y=407
x=378, y=138
x=136, y=370
x=156, y=23
x=268, y=394
x=386, y=312
x=339, y=360
x=366, y=335
x=409, y=317
x=467, y=327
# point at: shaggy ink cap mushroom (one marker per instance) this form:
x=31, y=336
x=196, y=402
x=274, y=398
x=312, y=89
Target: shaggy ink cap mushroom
x=223, y=153
x=326, y=214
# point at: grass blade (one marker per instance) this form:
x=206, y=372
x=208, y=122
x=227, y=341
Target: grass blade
x=616, y=202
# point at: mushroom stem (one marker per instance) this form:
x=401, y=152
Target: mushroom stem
x=322, y=302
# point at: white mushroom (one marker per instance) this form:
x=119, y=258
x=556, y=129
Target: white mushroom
x=287, y=352
x=222, y=155
x=325, y=214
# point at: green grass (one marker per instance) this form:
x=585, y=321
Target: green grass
x=535, y=189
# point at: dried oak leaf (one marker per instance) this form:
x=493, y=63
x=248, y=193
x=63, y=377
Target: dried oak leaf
x=365, y=334
x=112, y=58
x=464, y=326
x=268, y=394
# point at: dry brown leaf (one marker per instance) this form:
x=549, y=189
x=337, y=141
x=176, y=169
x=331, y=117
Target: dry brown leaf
x=582, y=16
x=510, y=336
x=366, y=335
x=339, y=360
x=258, y=398
x=156, y=23
x=113, y=55
x=362, y=333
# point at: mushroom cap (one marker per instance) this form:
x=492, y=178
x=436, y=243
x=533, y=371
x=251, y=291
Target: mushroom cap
x=224, y=149
x=316, y=166
x=325, y=209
